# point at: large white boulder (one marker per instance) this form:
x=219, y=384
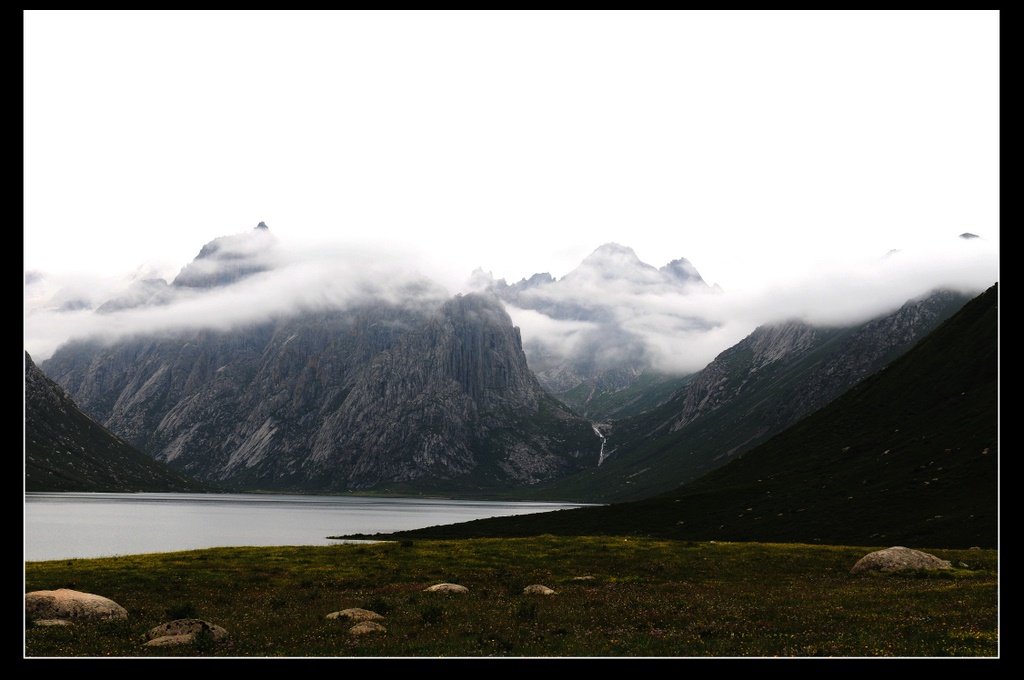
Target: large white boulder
x=51, y=607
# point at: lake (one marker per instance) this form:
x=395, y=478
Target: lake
x=83, y=525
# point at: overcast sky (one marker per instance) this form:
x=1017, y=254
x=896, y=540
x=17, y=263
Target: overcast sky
x=782, y=153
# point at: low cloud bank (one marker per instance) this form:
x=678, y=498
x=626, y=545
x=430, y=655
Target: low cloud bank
x=682, y=330
x=298, y=281
x=676, y=330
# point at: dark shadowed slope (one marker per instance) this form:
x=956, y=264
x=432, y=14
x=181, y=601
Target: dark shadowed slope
x=907, y=457
x=751, y=392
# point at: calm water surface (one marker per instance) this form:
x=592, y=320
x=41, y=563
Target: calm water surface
x=83, y=525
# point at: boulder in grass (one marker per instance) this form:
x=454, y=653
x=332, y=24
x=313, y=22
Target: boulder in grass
x=355, y=614
x=897, y=558
x=184, y=631
x=447, y=588
x=63, y=606
x=538, y=589
x=364, y=627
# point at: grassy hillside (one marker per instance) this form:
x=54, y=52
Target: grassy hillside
x=908, y=457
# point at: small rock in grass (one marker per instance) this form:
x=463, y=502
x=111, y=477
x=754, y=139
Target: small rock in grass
x=355, y=614
x=447, y=588
x=183, y=631
x=367, y=627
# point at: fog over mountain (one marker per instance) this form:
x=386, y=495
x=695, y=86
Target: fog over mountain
x=666, y=315
x=614, y=308
x=379, y=146
x=258, y=279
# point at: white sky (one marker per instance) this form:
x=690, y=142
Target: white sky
x=759, y=145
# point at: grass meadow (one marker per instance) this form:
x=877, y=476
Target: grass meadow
x=615, y=597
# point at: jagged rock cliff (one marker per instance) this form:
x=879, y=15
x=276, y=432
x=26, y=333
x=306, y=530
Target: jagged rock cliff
x=909, y=456
x=365, y=398
x=229, y=259
x=799, y=368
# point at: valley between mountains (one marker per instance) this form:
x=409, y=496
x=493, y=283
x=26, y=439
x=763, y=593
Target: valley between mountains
x=406, y=389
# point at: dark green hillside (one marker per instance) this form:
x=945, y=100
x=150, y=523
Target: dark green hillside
x=65, y=450
x=907, y=457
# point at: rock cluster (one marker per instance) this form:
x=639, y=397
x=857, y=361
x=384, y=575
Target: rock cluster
x=355, y=614
x=65, y=607
x=366, y=621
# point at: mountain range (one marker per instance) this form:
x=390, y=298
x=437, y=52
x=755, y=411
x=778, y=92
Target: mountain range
x=384, y=394
x=908, y=456
x=759, y=387
x=444, y=396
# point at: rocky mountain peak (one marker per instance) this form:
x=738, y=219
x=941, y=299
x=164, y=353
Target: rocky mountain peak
x=604, y=350
x=613, y=261
x=683, y=271
x=613, y=250
x=228, y=259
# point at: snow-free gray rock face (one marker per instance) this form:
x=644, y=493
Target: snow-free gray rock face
x=399, y=384
x=450, y=389
x=811, y=364
x=371, y=396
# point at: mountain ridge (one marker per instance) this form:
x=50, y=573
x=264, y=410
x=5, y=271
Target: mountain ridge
x=751, y=391
x=370, y=397
x=438, y=395
x=908, y=456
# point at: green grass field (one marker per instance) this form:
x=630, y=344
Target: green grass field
x=616, y=597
